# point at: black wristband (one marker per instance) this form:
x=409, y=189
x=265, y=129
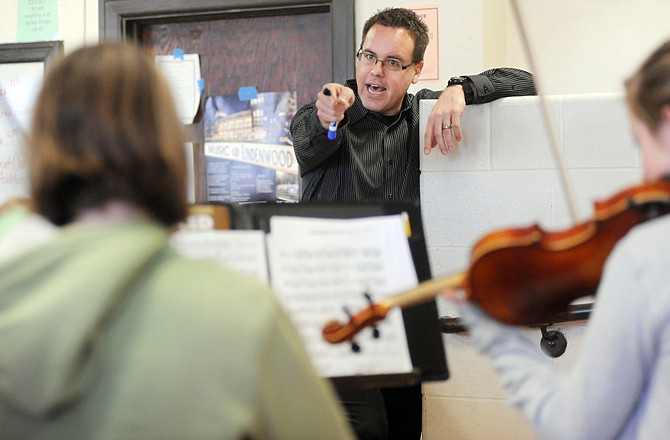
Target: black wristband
x=465, y=82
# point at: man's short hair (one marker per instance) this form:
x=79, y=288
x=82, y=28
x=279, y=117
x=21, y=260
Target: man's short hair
x=402, y=18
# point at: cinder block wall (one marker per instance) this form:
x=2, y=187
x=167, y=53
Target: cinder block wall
x=504, y=175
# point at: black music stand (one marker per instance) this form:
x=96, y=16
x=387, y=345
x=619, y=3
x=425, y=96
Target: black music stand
x=422, y=323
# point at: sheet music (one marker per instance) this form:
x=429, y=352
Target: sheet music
x=318, y=266
x=242, y=250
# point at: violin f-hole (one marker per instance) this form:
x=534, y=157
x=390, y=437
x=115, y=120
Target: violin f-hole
x=651, y=210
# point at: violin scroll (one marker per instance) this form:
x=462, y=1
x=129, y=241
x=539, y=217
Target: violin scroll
x=336, y=332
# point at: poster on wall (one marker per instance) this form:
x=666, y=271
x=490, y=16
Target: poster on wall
x=248, y=151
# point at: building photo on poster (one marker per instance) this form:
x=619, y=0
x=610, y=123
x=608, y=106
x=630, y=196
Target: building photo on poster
x=248, y=152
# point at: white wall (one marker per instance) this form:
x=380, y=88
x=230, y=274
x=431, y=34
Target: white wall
x=588, y=46
x=579, y=46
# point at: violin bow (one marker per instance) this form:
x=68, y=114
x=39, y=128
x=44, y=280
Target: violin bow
x=551, y=128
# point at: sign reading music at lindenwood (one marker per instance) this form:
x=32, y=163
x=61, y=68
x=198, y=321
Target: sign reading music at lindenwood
x=248, y=152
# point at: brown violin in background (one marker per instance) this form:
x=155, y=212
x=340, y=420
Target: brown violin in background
x=527, y=275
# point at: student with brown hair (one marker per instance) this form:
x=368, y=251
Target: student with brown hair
x=105, y=331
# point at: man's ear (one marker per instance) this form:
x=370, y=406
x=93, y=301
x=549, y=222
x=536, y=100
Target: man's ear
x=417, y=71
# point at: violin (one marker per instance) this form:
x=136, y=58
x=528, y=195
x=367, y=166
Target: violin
x=524, y=276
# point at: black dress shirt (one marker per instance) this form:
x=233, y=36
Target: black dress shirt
x=375, y=157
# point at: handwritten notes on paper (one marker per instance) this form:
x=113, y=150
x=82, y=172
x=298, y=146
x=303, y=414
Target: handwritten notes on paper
x=318, y=266
x=19, y=85
x=37, y=20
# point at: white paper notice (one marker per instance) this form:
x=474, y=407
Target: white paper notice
x=183, y=76
x=242, y=250
x=319, y=266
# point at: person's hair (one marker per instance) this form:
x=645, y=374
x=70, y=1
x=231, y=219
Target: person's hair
x=405, y=19
x=105, y=129
x=648, y=89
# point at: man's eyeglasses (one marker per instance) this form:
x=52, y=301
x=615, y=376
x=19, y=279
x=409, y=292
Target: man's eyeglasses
x=369, y=59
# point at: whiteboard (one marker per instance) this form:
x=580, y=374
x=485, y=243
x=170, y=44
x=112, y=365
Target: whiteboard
x=19, y=86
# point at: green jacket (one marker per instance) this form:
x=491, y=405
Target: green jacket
x=107, y=333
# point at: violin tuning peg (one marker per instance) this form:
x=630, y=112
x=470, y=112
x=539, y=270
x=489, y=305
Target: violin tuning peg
x=355, y=347
x=375, y=333
x=368, y=297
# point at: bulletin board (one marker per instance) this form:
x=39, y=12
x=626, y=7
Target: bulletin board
x=275, y=46
x=22, y=67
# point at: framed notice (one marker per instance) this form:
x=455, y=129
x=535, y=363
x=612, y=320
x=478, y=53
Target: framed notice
x=431, y=66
